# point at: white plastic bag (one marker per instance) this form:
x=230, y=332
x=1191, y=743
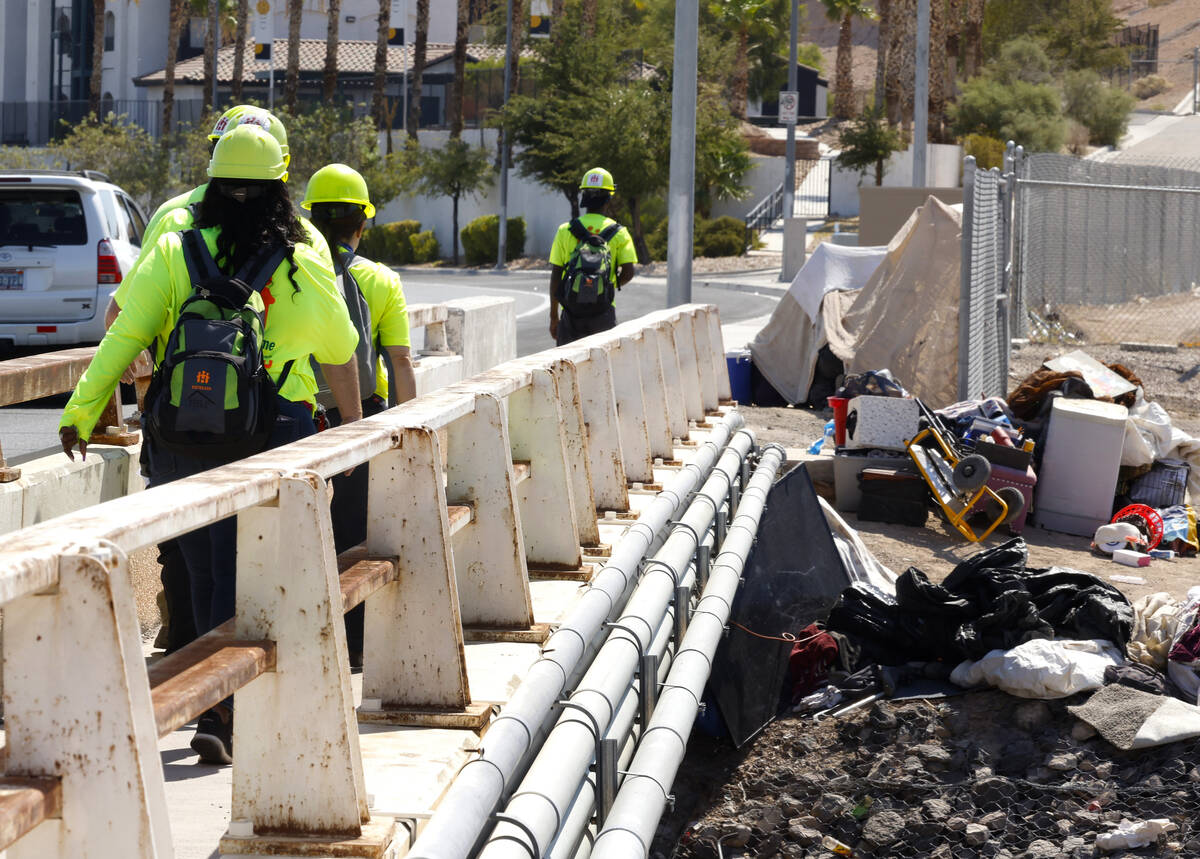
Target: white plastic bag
x=1042, y=668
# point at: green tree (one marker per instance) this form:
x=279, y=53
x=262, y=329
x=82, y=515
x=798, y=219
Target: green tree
x=744, y=20
x=868, y=143
x=1102, y=109
x=1013, y=99
x=1076, y=34
x=843, y=86
x=456, y=170
x=722, y=155
x=122, y=150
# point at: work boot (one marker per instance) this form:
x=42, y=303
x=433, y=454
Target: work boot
x=213, y=740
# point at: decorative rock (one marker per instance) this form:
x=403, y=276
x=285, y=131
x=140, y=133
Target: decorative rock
x=932, y=753
x=1042, y=849
x=739, y=836
x=829, y=806
x=956, y=824
x=975, y=834
x=803, y=835
x=995, y=821
x=936, y=809
x=1063, y=762
x=1081, y=731
x=884, y=828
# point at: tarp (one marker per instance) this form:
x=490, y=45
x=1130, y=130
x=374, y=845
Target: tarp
x=785, y=350
x=905, y=318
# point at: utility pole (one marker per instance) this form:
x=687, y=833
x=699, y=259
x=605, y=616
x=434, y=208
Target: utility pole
x=789, y=153
x=502, y=238
x=216, y=31
x=1195, y=80
x=680, y=198
x=921, y=96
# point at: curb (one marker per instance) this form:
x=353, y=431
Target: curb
x=722, y=283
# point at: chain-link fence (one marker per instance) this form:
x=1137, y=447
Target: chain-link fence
x=1106, y=252
x=983, y=322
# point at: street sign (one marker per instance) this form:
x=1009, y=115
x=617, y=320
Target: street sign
x=789, y=103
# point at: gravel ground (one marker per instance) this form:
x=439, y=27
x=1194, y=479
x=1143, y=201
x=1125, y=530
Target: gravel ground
x=979, y=775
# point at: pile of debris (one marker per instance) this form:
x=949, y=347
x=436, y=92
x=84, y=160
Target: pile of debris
x=981, y=775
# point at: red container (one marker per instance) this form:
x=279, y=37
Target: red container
x=839, y=404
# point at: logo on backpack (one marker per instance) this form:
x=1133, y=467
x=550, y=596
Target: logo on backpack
x=588, y=279
x=214, y=353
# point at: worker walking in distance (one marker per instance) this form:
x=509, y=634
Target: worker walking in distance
x=591, y=258
x=234, y=308
x=340, y=205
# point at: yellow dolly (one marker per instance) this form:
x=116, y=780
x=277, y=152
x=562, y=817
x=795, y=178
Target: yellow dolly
x=959, y=483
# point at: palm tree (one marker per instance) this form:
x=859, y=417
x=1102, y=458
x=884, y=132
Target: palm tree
x=96, y=79
x=291, y=85
x=460, y=69
x=937, y=70
x=901, y=60
x=239, y=49
x=741, y=17
x=589, y=18
x=883, y=9
x=331, y=47
x=378, y=108
x=174, y=27
x=843, y=87
x=413, y=120
x=210, y=55
x=972, y=49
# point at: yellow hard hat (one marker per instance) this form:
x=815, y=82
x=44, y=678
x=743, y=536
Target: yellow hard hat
x=247, y=152
x=228, y=120
x=337, y=183
x=597, y=177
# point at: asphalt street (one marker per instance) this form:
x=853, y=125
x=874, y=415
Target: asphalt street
x=25, y=429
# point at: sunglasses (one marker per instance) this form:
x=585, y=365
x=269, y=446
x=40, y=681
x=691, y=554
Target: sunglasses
x=242, y=193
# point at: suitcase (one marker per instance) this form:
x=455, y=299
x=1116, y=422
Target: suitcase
x=893, y=495
x=881, y=423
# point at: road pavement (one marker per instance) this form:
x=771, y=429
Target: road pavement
x=741, y=298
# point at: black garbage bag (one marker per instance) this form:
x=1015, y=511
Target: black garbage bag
x=1079, y=605
x=875, y=623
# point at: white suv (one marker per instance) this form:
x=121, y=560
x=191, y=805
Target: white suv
x=66, y=240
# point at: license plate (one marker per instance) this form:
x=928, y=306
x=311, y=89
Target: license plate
x=12, y=278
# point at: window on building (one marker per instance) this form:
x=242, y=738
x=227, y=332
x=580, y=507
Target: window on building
x=110, y=32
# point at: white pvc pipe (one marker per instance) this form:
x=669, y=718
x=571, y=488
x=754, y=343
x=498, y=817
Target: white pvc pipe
x=548, y=788
x=476, y=792
x=634, y=817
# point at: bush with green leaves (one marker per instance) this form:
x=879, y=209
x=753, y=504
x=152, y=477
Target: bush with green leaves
x=1102, y=109
x=719, y=237
x=1149, y=86
x=988, y=152
x=1013, y=100
x=389, y=243
x=868, y=143
x=481, y=237
x=424, y=247
x=123, y=151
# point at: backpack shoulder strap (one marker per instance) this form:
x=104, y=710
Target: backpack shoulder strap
x=259, y=268
x=610, y=232
x=200, y=264
x=578, y=230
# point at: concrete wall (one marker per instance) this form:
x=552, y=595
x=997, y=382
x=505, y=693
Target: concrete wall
x=544, y=210
x=884, y=210
x=943, y=170
x=766, y=174
x=483, y=331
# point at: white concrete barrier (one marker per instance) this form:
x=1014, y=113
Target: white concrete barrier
x=531, y=458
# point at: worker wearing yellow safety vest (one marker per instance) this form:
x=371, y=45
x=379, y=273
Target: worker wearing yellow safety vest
x=244, y=216
x=338, y=199
x=591, y=258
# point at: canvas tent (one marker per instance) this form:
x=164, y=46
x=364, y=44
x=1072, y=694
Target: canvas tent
x=904, y=317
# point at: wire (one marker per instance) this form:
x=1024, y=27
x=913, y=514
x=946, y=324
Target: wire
x=787, y=636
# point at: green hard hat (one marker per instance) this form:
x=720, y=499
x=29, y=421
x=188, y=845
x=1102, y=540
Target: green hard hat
x=597, y=177
x=337, y=183
x=247, y=152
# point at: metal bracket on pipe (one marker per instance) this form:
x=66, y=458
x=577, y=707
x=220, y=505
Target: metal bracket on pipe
x=735, y=496
x=683, y=599
x=703, y=564
x=532, y=846
x=722, y=522
x=648, y=687
x=606, y=778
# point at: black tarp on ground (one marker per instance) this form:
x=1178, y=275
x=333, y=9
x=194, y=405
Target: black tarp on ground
x=793, y=576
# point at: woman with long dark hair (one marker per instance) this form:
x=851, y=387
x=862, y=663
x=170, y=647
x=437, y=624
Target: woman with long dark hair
x=245, y=210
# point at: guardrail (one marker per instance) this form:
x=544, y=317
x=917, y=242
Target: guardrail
x=471, y=488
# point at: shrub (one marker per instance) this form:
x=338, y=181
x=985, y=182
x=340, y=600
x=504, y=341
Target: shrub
x=390, y=243
x=1149, y=86
x=424, y=246
x=720, y=237
x=987, y=151
x=481, y=237
x=1028, y=113
x=1103, y=109
x=1077, y=137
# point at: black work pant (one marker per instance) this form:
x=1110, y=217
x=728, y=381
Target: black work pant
x=348, y=511
x=571, y=328
x=177, y=591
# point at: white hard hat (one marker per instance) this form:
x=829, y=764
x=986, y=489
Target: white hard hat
x=1116, y=535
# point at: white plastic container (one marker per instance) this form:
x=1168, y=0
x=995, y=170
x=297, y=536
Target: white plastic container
x=881, y=423
x=1078, y=477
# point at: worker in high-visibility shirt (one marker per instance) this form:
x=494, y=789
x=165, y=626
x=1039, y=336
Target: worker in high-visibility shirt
x=245, y=209
x=338, y=199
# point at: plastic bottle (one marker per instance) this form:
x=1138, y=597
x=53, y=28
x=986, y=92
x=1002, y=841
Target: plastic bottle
x=833, y=845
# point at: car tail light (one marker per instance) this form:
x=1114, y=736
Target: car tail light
x=108, y=270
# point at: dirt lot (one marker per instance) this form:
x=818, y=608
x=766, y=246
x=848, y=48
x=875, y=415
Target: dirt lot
x=979, y=775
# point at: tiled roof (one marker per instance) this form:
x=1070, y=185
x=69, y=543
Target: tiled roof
x=354, y=57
